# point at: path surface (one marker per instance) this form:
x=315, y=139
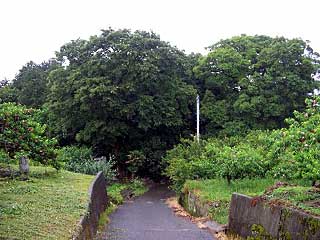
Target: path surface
x=149, y=218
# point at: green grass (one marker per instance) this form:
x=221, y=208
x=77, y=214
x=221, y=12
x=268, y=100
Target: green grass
x=300, y=197
x=114, y=191
x=48, y=206
x=218, y=193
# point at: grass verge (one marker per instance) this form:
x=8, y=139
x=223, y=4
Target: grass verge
x=115, y=193
x=299, y=197
x=218, y=193
x=47, y=206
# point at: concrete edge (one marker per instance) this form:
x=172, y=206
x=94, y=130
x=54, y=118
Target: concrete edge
x=97, y=203
x=273, y=222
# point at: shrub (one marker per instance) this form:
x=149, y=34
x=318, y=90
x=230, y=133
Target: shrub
x=288, y=153
x=136, y=160
x=4, y=157
x=188, y=161
x=240, y=161
x=295, y=149
x=80, y=160
x=73, y=154
x=22, y=135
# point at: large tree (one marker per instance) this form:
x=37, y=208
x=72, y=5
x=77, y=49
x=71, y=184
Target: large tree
x=30, y=84
x=122, y=91
x=254, y=82
x=7, y=92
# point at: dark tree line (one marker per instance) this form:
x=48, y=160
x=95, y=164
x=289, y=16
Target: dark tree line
x=131, y=94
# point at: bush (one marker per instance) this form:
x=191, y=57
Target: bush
x=136, y=160
x=188, y=160
x=4, y=157
x=240, y=161
x=80, y=160
x=296, y=149
x=22, y=135
x=73, y=154
x=288, y=153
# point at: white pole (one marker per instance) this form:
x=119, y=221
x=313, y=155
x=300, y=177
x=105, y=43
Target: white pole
x=198, y=118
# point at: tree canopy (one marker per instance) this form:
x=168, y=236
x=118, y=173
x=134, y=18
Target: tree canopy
x=30, y=83
x=131, y=95
x=255, y=82
x=122, y=91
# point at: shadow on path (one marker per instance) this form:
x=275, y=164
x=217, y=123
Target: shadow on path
x=149, y=218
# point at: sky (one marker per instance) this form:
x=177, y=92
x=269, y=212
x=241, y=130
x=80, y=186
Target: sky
x=35, y=29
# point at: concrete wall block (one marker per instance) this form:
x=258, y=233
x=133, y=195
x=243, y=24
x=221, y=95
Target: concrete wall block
x=245, y=212
x=297, y=225
x=252, y=217
x=98, y=203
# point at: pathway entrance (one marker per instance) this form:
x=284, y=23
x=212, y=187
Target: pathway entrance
x=149, y=218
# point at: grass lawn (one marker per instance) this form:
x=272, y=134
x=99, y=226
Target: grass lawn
x=48, y=206
x=218, y=192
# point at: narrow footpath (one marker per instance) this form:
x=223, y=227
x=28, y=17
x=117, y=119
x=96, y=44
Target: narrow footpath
x=149, y=218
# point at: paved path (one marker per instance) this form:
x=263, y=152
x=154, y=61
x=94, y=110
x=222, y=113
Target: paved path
x=149, y=218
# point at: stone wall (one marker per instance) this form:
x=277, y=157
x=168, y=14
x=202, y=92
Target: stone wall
x=252, y=217
x=193, y=205
x=97, y=205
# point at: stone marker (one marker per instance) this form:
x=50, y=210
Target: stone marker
x=24, y=168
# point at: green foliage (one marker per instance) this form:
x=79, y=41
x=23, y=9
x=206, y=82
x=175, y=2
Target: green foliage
x=288, y=153
x=188, y=160
x=231, y=158
x=8, y=94
x=80, y=160
x=4, y=157
x=22, y=135
x=138, y=187
x=296, y=148
x=114, y=191
x=73, y=154
x=254, y=82
x=30, y=84
x=130, y=94
x=135, y=161
x=121, y=92
x=240, y=161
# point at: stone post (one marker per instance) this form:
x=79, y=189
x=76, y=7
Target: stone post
x=24, y=168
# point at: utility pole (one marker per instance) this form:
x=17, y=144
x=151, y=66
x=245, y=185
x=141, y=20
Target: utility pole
x=198, y=118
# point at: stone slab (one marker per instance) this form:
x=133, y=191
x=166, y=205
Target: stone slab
x=246, y=212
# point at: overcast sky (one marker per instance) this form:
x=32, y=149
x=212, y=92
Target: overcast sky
x=35, y=29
